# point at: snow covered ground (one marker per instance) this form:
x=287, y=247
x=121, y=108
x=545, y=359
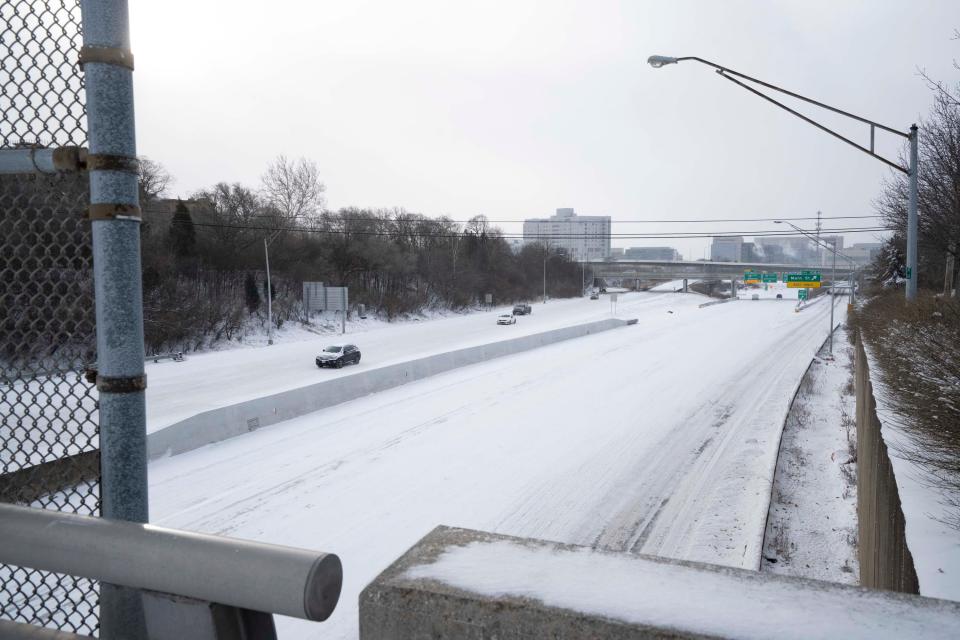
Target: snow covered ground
x=178, y=390
x=812, y=528
x=660, y=438
x=676, y=600
x=934, y=544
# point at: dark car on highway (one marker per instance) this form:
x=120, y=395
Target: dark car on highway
x=337, y=355
x=522, y=310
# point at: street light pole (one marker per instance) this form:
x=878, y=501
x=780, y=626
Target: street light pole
x=266, y=255
x=833, y=277
x=912, y=171
x=833, y=293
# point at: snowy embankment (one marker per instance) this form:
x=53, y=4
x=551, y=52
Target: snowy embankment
x=671, y=286
x=812, y=526
x=933, y=543
x=659, y=438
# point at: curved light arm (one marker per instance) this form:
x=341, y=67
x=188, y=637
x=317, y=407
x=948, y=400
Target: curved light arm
x=658, y=61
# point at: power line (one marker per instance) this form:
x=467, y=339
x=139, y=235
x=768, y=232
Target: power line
x=428, y=234
x=416, y=217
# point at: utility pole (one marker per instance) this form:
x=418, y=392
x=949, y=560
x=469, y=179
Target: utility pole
x=833, y=292
x=819, y=247
x=266, y=255
x=833, y=277
x=544, y=274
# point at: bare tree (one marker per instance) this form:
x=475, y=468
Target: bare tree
x=153, y=177
x=230, y=215
x=293, y=188
x=939, y=87
x=938, y=194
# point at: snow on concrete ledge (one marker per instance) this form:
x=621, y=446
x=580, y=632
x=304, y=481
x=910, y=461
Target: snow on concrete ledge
x=458, y=583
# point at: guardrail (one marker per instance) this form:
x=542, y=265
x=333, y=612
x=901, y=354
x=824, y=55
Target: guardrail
x=245, y=581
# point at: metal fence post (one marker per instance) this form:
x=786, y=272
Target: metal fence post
x=115, y=218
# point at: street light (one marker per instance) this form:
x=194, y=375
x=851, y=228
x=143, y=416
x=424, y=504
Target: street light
x=658, y=61
x=833, y=278
x=911, y=289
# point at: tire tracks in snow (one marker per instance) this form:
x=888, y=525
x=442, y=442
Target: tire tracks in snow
x=700, y=492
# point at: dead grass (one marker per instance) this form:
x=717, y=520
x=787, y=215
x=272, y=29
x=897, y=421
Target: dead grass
x=917, y=350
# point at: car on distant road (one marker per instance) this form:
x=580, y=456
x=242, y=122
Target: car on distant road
x=507, y=318
x=594, y=296
x=779, y=296
x=755, y=296
x=522, y=310
x=337, y=355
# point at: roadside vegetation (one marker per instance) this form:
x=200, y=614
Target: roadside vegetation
x=203, y=264
x=917, y=346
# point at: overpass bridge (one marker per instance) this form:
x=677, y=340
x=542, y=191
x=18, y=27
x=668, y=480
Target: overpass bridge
x=652, y=271
x=679, y=270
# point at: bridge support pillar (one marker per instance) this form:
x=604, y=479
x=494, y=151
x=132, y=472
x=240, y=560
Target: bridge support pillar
x=733, y=288
x=685, y=288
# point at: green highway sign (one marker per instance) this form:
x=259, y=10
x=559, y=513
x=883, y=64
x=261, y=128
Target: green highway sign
x=802, y=280
x=802, y=294
x=751, y=276
x=768, y=277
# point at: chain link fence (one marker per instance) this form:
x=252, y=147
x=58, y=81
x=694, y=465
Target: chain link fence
x=49, y=450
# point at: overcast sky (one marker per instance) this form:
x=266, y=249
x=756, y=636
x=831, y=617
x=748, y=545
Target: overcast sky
x=515, y=108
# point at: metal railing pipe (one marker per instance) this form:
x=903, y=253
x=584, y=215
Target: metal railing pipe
x=115, y=220
x=40, y=160
x=239, y=573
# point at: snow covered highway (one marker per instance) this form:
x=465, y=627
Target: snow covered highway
x=205, y=381
x=658, y=438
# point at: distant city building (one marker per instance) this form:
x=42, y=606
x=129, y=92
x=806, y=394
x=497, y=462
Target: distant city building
x=796, y=249
x=652, y=253
x=616, y=252
x=581, y=237
x=748, y=253
x=726, y=249
x=863, y=253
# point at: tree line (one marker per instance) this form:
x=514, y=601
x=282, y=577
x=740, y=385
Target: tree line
x=204, y=262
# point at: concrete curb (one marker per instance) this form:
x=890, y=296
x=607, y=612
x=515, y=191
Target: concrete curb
x=235, y=420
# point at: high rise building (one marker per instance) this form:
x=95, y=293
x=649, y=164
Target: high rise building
x=726, y=249
x=581, y=237
x=797, y=249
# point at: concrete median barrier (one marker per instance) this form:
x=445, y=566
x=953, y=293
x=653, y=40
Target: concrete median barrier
x=237, y=419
